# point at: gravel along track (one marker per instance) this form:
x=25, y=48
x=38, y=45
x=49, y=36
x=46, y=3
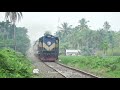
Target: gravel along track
x=54, y=70
x=68, y=72
x=47, y=72
x=44, y=71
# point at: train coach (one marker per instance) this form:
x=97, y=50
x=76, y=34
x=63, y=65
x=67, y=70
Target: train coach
x=46, y=48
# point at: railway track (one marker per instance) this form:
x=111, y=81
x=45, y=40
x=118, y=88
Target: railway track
x=68, y=72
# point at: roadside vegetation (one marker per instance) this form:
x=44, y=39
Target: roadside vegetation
x=101, y=66
x=14, y=43
x=100, y=48
x=7, y=37
x=14, y=65
x=102, y=41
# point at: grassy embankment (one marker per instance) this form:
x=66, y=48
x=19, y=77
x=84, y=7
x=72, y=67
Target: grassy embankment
x=14, y=65
x=101, y=66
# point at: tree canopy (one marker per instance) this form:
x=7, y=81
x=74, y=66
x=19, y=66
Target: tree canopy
x=7, y=37
x=90, y=42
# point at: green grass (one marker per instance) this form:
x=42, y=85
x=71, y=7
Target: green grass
x=101, y=66
x=14, y=65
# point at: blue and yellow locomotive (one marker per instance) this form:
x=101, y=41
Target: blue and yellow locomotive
x=47, y=48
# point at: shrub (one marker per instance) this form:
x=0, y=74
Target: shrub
x=14, y=65
x=108, y=66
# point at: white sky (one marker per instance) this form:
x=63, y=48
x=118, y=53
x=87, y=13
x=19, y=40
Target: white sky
x=38, y=22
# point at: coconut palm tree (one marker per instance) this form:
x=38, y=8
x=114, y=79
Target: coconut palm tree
x=65, y=28
x=83, y=24
x=13, y=17
x=3, y=31
x=106, y=26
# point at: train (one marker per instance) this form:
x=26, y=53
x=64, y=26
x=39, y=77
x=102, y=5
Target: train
x=46, y=48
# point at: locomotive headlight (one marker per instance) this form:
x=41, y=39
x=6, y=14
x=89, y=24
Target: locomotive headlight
x=48, y=43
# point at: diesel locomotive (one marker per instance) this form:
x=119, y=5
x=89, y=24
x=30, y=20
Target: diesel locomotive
x=46, y=48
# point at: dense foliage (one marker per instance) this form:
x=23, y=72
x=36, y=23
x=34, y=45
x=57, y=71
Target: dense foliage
x=103, y=41
x=100, y=66
x=7, y=37
x=14, y=65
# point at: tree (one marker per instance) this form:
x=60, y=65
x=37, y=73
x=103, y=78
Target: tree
x=7, y=27
x=111, y=35
x=83, y=24
x=13, y=17
x=91, y=42
x=58, y=34
x=22, y=39
x=3, y=31
x=106, y=26
x=65, y=28
x=105, y=47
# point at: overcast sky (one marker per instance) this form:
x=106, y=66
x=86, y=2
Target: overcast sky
x=39, y=22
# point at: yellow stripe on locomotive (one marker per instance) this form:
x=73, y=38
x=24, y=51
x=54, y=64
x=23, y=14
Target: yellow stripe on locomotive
x=48, y=48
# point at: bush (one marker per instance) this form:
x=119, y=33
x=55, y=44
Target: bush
x=14, y=65
x=108, y=66
x=116, y=52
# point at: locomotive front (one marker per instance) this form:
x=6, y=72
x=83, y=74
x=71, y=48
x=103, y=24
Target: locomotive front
x=48, y=48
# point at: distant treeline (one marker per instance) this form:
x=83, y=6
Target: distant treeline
x=7, y=37
x=103, y=41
